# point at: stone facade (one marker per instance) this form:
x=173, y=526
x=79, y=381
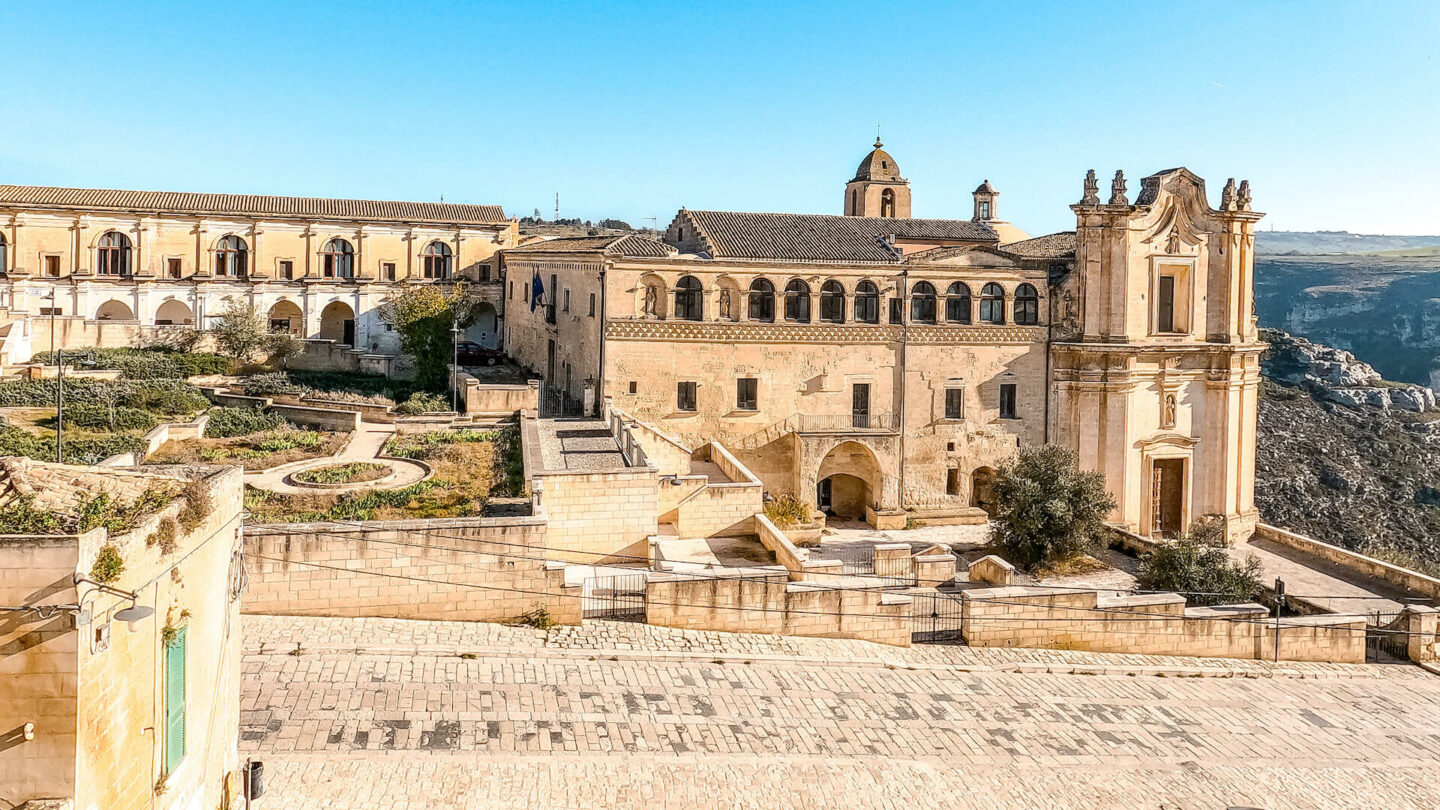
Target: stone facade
x=120, y=267
x=875, y=366
x=93, y=680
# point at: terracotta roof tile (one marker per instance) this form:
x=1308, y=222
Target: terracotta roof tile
x=249, y=205
x=1050, y=246
x=811, y=237
x=613, y=245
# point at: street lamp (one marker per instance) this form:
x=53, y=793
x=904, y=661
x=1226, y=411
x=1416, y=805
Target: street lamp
x=59, y=386
x=454, y=365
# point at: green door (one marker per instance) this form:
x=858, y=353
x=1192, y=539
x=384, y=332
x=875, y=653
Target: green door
x=175, y=702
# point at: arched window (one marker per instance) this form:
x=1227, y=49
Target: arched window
x=688, y=299
x=957, y=303
x=867, y=302
x=4, y=256
x=854, y=201
x=922, y=303
x=762, y=300
x=797, y=301
x=231, y=257
x=832, y=302
x=436, y=259
x=338, y=259
x=114, y=255
x=992, y=303
x=1027, y=305
x=887, y=202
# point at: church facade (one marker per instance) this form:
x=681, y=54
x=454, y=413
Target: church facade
x=882, y=367
x=118, y=265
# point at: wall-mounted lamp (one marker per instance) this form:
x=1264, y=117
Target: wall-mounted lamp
x=134, y=613
x=29, y=731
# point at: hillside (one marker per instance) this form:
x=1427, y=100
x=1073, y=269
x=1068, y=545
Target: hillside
x=1363, y=477
x=1322, y=243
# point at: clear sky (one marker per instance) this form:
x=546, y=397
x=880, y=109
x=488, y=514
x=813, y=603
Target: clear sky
x=633, y=109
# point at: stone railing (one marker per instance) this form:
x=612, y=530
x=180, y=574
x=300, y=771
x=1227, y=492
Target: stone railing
x=1359, y=563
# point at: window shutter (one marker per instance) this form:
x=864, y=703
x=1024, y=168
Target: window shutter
x=175, y=702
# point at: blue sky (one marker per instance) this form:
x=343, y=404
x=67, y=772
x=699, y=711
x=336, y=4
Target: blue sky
x=635, y=109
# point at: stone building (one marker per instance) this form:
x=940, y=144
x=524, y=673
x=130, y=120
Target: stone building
x=880, y=366
x=119, y=267
x=121, y=691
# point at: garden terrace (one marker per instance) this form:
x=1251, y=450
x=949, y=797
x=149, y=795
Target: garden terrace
x=103, y=418
x=41, y=498
x=143, y=364
x=258, y=450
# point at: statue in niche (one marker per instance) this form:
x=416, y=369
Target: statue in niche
x=650, y=300
x=1069, y=318
x=1169, y=412
x=1173, y=246
x=725, y=304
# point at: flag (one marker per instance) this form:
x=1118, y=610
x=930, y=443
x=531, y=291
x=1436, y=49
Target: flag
x=537, y=291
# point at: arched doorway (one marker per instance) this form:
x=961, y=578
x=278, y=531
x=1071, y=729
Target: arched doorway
x=982, y=489
x=337, y=323
x=848, y=481
x=483, y=331
x=114, y=311
x=174, y=313
x=287, y=319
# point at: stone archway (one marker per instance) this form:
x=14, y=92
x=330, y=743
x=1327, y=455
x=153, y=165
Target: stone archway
x=484, y=329
x=982, y=489
x=849, y=480
x=114, y=311
x=337, y=323
x=174, y=313
x=286, y=318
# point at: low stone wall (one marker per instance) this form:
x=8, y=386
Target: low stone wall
x=660, y=450
x=777, y=607
x=369, y=411
x=1156, y=624
x=461, y=569
x=795, y=559
x=321, y=418
x=158, y=435
x=489, y=399
x=1369, y=566
x=595, y=517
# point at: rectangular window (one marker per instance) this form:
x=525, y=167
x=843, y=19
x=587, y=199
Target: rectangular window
x=172, y=268
x=592, y=305
x=685, y=397
x=287, y=270
x=511, y=294
x=175, y=701
x=1007, y=401
x=747, y=393
x=634, y=386
x=954, y=403
x=1165, y=316
x=897, y=310
x=52, y=311
x=860, y=405
x=567, y=300
x=387, y=269
x=484, y=272
x=52, y=266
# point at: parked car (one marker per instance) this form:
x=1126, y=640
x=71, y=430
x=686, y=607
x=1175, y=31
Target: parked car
x=470, y=353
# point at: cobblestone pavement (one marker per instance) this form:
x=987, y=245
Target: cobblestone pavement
x=389, y=714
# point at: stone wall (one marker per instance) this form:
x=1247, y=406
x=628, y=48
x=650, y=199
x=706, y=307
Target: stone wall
x=1359, y=563
x=777, y=607
x=599, y=516
x=486, y=399
x=461, y=569
x=1156, y=624
x=321, y=418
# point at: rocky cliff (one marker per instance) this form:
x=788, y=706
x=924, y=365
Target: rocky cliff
x=1345, y=456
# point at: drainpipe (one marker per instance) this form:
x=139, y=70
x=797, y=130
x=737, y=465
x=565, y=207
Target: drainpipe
x=600, y=372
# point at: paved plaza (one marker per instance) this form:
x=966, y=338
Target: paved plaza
x=388, y=714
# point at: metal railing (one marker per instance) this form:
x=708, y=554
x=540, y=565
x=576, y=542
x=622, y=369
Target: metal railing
x=619, y=596
x=847, y=423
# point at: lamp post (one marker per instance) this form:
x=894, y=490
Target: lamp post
x=59, y=386
x=454, y=365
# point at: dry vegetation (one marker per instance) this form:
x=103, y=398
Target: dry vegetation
x=256, y=451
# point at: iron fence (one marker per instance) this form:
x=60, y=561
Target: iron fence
x=936, y=619
x=859, y=560
x=618, y=596
x=848, y=423
x=1385, y=638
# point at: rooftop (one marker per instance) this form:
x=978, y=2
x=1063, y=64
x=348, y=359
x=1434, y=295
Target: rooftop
x=614, y=245
x=248, y=205
x=1050, y=246
x=815, y=237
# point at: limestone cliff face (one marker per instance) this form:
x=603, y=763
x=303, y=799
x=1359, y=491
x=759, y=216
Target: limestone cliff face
x=1344, y=456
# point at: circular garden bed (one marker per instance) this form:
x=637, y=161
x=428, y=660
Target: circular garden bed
x=335, y=474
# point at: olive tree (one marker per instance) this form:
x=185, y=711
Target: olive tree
x=1046, y=509
x=1196, y=564
x=240, y=331
x=424, y=316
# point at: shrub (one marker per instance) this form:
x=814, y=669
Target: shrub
x=109, y=565
x=145, y=364
x=157, y=396
x=102, y=417
x=1046, y=510
x=424, y=316
x=289, y=439
x=90, y=450
x=423, y=402
x=275, y=382
x=118, y=517
x=20, y=516
x=197, y=505
x=423, y=445
x=1197, y=564
x=227, y=422
x=787, y=510
x=539, y=618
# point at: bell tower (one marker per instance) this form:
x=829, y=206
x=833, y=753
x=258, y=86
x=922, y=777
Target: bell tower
x=877, y=189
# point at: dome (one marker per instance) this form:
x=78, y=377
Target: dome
x=986, y=188
x=878, y=165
